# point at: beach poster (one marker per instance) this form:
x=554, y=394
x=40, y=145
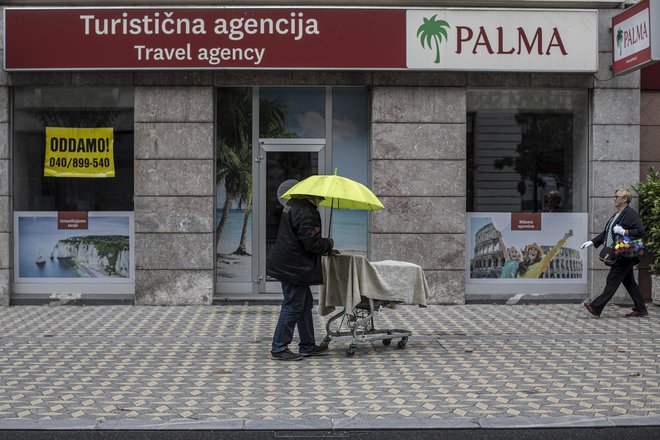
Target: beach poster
x=54, y=246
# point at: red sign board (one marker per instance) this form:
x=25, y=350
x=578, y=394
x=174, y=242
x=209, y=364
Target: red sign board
x=525, y=221
x=204, y=38
x=72, y=220
x=636, y=37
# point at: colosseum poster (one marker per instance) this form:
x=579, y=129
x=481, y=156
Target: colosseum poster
x=526, y=247
x=51, y=247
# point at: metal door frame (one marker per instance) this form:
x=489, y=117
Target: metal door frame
x=260, y=285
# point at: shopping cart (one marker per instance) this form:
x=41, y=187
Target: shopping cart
x=360, y=324
x=363, y=289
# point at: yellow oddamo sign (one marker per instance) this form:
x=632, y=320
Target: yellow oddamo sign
x=79, y=152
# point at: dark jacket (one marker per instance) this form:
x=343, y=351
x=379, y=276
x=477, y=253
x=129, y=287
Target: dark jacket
x=296, y=254
x=628, y=219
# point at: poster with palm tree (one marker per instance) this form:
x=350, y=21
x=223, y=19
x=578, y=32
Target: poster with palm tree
x=234, y=174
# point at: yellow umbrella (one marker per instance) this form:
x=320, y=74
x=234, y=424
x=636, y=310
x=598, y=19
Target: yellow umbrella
x=338, y=192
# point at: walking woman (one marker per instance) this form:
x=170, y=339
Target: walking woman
x=624, y=222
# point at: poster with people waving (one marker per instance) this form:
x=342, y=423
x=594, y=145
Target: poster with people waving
x=524, y=247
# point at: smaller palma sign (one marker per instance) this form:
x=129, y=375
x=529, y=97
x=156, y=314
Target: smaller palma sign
x=502, y=40
x=636, y=37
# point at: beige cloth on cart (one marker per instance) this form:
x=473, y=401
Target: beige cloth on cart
x=350, y=277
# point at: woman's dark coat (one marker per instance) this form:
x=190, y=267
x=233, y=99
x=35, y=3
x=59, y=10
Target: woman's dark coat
x=296, y=254
x=629, y=220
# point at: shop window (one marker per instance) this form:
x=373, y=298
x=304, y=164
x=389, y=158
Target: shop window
x=296, y=139
x=527, y=151
x=526, y=197
x=35, y=109
x=73, y=190
x=292, y=112
x=234, y=183
x=350, y=156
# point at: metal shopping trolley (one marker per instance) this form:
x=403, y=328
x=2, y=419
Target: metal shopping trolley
x=363, y=289
x=360, y=324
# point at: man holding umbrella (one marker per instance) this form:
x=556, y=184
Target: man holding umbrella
x=295, y=261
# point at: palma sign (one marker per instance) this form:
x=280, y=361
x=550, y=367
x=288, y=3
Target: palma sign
x=140, y=38
x=514, y=40
x=636, y=37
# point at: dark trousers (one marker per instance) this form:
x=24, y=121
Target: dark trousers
x=296, y=311
x=621, y=273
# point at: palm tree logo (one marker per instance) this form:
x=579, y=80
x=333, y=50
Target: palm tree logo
x=619, y=40
x=431, y=33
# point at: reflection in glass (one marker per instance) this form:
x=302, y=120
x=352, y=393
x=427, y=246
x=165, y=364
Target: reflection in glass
x=350, y=146
x=36, y=108
x=292, y=112
x=526, y=151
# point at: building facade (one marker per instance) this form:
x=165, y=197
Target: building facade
x=186, y=211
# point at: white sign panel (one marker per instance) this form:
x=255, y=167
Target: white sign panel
x=502, y=40
x=636, y=37
x=633, y=34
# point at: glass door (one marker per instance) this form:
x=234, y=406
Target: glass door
x=282, y=163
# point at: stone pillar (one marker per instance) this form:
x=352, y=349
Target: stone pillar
x=649, y=157
x=418, y=165
x=614, y=156
x=174, y=219
x=5, y=195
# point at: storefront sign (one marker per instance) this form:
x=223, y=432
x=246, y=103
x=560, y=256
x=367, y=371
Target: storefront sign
x=72, y=220
x=513, y=40
x=300, y=38
x=636, y=37
x=79, y=152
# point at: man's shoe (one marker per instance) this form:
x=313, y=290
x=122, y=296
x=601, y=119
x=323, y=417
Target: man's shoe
x=319, y=350
x=590, y=310
x=637, y=314
x=286, y=355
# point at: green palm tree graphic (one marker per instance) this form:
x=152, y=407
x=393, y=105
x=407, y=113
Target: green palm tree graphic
x=619, y=39
x=432, y=31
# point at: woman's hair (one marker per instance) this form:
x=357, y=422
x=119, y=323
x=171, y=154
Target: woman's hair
x=625, y=193
x=539, y=250
x=522, y=269
x=513, y=248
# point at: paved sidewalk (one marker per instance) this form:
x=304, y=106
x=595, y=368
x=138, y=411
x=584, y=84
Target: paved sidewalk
x=124, y=366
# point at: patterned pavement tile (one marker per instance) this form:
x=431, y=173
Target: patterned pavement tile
x=212, y=363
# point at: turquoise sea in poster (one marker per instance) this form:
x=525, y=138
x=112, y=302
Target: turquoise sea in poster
x=349, y=231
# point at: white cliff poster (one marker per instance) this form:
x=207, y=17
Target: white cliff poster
x=70, y=247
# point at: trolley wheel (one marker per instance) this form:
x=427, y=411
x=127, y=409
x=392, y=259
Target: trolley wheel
x=387, y=342
x=350, y=352
x=401, y=344
x=325, y=342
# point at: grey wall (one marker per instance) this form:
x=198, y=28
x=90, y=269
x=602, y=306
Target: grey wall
x=174, y=175
x=649, y=157
x=418, y=171
x=614, y=156
x=5, y=183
